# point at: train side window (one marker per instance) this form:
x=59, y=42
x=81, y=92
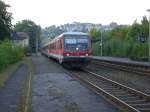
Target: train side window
x=50, y=46
x=55, y=45
x=60, y=44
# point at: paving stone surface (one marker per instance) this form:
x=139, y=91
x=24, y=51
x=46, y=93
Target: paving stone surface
x=55, y=91
x=10, y=94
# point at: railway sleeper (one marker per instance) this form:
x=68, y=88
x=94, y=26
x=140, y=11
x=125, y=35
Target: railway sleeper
x=140, y=101
x=125, y=67
x=106, y=85
x=124, y=95
x=104, y=82
x=144, y=109
x=113, y=91
x=130, y=98
x=120, y=93
x=117, y=92
x=143, y=105
x=102, y=85
x=110, y=88
x=98, y=89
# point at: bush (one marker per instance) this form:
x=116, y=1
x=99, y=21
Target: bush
x=139, y=51
x=96, y=48
x=9, y=54
x=113, y=47
x=27, y=51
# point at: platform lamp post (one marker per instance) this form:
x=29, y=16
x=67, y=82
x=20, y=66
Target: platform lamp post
x=149, y=34
x=101, y=43
x=36, y=45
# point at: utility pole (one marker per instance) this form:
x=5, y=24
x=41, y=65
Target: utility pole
x=101, y=43
x=149, y=34
x=36, y=45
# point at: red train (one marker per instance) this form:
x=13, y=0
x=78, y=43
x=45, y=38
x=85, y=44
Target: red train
x=70, y=48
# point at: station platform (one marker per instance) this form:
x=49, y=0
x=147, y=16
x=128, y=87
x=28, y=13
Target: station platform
x=121, y=60
x=55, y=90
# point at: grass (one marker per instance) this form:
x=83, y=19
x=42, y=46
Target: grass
x=25, y=104
x=5, y=74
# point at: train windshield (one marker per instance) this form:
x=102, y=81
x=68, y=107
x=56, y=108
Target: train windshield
x=76, y=43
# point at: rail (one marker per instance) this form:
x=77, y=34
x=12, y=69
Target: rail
x=126, y=97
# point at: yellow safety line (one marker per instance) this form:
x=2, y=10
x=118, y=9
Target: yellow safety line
x=28, y=93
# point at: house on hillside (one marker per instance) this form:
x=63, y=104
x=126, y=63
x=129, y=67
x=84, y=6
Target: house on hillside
x=20, y=39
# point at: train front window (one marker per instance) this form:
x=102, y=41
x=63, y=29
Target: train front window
x=76, y=44
x=70, y=41
x=82, y=40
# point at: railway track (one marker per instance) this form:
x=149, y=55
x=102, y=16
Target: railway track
x=127, y=98
x=124, y=67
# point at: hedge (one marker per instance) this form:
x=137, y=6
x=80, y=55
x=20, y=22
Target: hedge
x=9, y=54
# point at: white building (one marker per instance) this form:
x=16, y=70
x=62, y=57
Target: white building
x=20, y=39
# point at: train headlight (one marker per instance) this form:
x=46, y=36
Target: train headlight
x=77, y=48
x=67, y=54
x=86, y=55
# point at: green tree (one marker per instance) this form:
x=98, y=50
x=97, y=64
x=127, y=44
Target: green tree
x=95, y=34
x=9, y=53
x=52, y=31
x=5, y=21
x=135, y=30
x=32, y=30
x=145, y=27
x=119, y=32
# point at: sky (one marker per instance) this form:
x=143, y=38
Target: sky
x=59, y=12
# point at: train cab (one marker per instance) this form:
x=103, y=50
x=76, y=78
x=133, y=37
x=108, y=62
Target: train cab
x=71, y=48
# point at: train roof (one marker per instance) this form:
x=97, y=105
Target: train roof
x=71, y=33
x=74, y=33
x=67, y=33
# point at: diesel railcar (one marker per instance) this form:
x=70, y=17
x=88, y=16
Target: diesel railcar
x=72, y=49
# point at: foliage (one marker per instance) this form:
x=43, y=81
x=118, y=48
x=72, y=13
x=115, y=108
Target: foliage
x=139, y=51
x=95, y=34
x=27, y=51
x=125, y=41
x=5, y=74
x=51, y=32
x=119, y=32
x=32, y=30
x=135, y=30
x=96, y=48
x=5, y=21
x=145, y=27
x=9, y=54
